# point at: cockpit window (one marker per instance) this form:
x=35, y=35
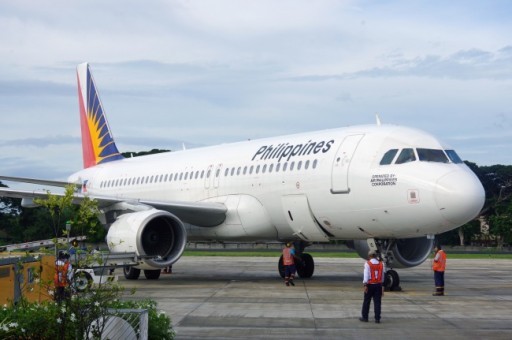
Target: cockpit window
x=388, y=157
x=406, y=155
x=432, y=155
x=453, y=156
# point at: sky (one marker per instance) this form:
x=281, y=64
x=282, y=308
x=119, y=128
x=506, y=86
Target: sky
x=197, y=73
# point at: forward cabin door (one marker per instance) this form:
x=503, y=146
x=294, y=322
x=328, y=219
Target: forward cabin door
x=341, y=164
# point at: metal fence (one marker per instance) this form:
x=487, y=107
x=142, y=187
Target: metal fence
x=123, y=324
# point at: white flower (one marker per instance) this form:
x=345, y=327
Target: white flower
x=63, y=309
x=13, y=324
x=4, y=328
x=97, y=304
x=37, y=280
x=36, y=257
x=23, y=330
x=72, y=317
x=59, y=320
x=50, y=292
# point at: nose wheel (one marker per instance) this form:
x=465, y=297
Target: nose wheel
x=392, y=281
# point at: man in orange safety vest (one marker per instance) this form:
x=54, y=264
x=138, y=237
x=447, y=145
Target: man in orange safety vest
x=439, y=266
x=373, y=289
x=60, y=278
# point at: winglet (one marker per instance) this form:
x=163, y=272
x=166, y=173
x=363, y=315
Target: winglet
x=98, y=144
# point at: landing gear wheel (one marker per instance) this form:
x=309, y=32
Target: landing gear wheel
x=152, y=274
x=131, y=273
x=306, y=269
x=280, y=267
x=391, y=280
x=83, y=281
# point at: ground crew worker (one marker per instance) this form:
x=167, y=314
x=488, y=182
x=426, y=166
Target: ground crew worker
x=439, y=266
x=60, y=278
x=289, y=263
x=373, y=289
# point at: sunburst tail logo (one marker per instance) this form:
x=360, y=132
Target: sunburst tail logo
x=98, y=144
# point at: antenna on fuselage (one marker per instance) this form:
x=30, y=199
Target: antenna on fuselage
x=377, y=118
x=183, y=146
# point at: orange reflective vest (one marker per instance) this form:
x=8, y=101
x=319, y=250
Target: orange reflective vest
x=375, y=272
x=439, y=264
x=287, y=257
x=60, y=278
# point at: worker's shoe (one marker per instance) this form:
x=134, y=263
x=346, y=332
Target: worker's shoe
x=377, y=321
x=363, y=319
x=293, y=284
x=438, y=294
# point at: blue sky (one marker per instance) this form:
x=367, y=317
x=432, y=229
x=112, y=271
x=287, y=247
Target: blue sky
x=209, y=72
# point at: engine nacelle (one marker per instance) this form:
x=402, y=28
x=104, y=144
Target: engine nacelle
x=150, y=233
x=404, y=253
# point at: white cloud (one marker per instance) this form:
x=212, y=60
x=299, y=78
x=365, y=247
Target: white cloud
x=207, y=72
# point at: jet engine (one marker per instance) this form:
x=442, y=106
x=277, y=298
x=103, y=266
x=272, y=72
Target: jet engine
x=157, y=236
x=401, y=253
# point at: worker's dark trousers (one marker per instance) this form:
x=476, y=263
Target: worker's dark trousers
x=375, y=293
x=439, y=281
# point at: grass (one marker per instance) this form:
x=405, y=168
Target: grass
x=330, y=254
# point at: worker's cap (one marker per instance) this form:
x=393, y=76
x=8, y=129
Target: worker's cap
x=289, y=244
x=372, y=253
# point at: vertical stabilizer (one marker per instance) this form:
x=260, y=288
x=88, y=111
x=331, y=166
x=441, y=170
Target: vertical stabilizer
x=98, y=144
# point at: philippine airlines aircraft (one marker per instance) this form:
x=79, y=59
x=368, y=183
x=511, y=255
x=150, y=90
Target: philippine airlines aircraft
x=382, y=187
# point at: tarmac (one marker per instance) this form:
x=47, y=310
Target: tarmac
x=245, y=298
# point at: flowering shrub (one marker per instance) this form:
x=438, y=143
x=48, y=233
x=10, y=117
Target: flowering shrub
x=73, y=319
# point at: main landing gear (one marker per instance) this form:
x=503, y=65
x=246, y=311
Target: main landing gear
x=306, y=267
x=131, y=273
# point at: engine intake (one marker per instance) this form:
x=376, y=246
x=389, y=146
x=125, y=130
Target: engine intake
x=156, y=234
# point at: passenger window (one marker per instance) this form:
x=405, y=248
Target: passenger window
x=432, y=155
x=278, y=166
x=245, y=170
x=306, y=165
x=217, y=172
x=315, y=162
x=271, y=167
x=264, y=169
x=453, y=156
x=186, y=176
x=238, y=171
x=299, y=165
x=285, y=165
x=388, y=157
x=226, y=172
x=292, y=165
x=407, y=155
x=258, y=169
x=250, y=169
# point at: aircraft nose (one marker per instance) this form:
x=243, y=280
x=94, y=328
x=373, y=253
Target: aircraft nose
x=459, y=196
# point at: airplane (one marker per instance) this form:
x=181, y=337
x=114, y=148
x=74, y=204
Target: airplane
x=380, y=187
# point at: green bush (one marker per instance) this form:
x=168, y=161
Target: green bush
x=72, y=319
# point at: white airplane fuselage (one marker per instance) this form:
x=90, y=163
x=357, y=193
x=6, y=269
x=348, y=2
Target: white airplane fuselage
x=316, y=186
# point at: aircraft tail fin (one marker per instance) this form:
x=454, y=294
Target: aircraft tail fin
x=98, y=144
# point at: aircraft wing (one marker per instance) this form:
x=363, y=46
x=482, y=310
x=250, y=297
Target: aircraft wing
x=60, y=184
x=202, y=214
